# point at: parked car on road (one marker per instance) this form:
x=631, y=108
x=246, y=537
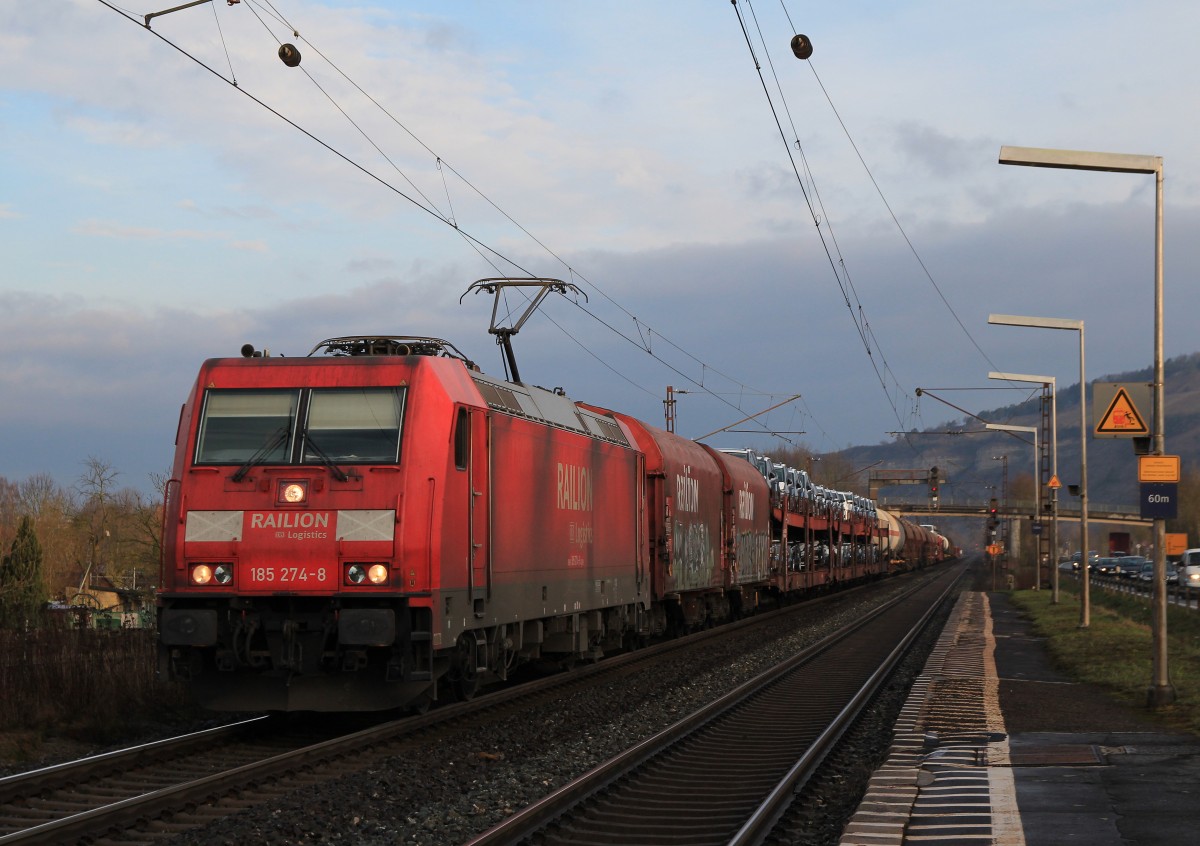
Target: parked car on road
x=1189, y=568
x=1147, y=573
x=1130, y=566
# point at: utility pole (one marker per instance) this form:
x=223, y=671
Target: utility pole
x=669, y=408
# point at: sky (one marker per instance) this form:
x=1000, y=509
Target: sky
x=837, y=228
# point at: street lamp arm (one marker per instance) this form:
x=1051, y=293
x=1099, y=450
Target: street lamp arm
x=1023, y=377
x=1012, y=431
x=1036, y=322
x=1080, y=160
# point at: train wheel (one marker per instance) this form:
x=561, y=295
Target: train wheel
x=420, y=705
x=464, y=688
x=463, y=675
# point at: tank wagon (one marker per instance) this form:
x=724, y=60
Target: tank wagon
x=380, y=524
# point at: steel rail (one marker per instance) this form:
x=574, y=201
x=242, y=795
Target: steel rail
x=764, y=819
x=153, y=804
x=32, y=782
x=536, y=817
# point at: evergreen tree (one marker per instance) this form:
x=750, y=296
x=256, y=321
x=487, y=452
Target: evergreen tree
x=22, y=590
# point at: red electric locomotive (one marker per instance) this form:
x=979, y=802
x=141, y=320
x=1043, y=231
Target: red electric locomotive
x=382, y=524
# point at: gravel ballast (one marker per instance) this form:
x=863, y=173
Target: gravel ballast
x=445, y=795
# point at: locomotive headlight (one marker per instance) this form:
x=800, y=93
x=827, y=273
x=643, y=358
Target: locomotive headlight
x=292, y=493
x=211, y=574
x=376, y=574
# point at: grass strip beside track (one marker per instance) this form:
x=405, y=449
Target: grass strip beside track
x=1115, y=652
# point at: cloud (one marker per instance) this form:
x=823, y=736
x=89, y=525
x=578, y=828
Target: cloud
x=112, y=229
x=250, y=246
x=371, y=265
x=650, y=167
x=115, y=132
x=939, y=154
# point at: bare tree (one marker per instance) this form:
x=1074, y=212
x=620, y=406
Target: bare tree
x=136, y=539
x=40, y=493
x=96, y=486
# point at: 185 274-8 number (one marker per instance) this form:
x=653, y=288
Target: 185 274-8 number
x=280, y=575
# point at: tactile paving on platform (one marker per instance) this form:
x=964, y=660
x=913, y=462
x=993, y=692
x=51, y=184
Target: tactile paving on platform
x=936, y=786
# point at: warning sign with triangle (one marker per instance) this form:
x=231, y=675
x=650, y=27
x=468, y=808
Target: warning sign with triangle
x=1054, y=483
x=1122, y=418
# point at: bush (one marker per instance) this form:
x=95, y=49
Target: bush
x=83, y=683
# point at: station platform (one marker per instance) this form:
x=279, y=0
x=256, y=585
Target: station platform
x=993, y=746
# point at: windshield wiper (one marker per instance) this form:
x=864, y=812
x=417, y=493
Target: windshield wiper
x=276, y=440
x=338, y=472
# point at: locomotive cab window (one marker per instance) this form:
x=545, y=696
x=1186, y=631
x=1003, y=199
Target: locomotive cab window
x=239, y=426
x=354, y=425
x=462, y=443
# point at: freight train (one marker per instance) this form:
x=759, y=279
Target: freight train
x=379, y=524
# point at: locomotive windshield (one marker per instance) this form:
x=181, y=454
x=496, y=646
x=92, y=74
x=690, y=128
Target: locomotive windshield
x=354, y=424
x=314, y=426
x=241, y=425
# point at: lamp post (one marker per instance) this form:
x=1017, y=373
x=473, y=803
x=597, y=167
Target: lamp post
x=1085, y=611
x=1161, y=691
x=1037, y=489
x=1006, y=532
x=991, y=539
x=1052, y=384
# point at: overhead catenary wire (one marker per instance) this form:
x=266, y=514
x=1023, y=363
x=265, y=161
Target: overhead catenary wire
x=887, y=205
x=447, y=218
x=900, y=227
x=241, y=90
x=837, y=265
x=425, y=204
x=228, y=58
x=572, y=271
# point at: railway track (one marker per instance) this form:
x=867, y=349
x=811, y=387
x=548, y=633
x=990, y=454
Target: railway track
x=66, y=801
x=725, y=774
x=151, y=793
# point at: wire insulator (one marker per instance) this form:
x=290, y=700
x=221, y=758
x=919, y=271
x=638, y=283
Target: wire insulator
x=289, y=55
